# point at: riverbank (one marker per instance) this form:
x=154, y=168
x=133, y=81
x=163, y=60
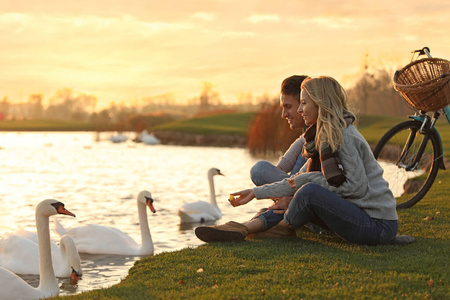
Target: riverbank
x=229, y=130
x=310, y=266
x=192, y=139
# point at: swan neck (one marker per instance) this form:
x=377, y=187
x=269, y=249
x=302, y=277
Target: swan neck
x=47, y=275
x=212, y=191
x=146, y=237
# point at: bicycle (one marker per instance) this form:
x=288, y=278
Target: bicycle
x=415, y=146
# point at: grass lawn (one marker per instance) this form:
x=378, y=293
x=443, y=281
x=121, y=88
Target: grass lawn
x=45, y=125
x=233, y=123
x=311, y=266
x=373, y=128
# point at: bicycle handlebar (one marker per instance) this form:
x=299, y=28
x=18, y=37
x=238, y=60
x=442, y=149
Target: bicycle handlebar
x=424, y=51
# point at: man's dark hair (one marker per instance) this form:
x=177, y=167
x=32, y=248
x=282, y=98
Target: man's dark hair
x=291, y=85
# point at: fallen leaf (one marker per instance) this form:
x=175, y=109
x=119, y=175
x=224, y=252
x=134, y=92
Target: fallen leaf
x=428, y=218
x=430, y=282
x=263, y=292
x=215, y=286
x=181, y=282
x=241, y=266
x=336, y=284
x=284, y=292
x=200, y=270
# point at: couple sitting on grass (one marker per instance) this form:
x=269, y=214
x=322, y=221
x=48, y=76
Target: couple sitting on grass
x=339, y=188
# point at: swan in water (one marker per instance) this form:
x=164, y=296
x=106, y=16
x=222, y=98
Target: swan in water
x=202, y=211
x=98, y=239
x=118, y=138
x=14, y=287
x=19, y=254
x=148, y=138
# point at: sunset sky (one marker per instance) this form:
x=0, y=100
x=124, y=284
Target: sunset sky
x=125, y=50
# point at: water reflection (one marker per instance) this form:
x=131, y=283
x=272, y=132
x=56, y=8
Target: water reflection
x=99, y=271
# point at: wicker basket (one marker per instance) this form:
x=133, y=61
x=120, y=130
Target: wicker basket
x=425, y=83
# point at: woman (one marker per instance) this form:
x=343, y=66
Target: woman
x=340, y=188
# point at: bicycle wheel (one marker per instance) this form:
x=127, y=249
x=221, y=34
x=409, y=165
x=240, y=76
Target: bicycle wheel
x=410, y=189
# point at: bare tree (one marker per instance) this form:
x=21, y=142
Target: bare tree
x=36, y=107
x=65, y=104
x=4, y=107
x=208, y=97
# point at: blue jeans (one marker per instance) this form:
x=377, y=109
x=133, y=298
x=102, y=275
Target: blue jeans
x=263, y=172
x=314, y=203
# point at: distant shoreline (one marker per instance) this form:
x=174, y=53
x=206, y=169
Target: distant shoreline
x=192, y=139
x=170, y=137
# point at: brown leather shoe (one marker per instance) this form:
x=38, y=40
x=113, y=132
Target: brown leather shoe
x=228, y=232
x=276, y=231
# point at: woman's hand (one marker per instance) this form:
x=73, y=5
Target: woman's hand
x=281, y=205
x=244, y=197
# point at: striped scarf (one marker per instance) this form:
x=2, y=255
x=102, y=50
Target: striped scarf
x=327, y=161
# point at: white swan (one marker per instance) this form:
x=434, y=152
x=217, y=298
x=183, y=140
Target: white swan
x=118, y=138
x=202, y=211
x=14, y=287
x=148, y=138
x=98, y=239
x=19, y=254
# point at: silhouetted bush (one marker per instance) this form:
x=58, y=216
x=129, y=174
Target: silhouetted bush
x=269, y=134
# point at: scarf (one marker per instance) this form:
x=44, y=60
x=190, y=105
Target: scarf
x=326, y=161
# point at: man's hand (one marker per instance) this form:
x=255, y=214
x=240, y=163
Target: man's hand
x=244, y=197
x=281, y=205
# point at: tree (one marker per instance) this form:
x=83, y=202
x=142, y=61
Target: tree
x=36, y=107
x=269, y=134
x=4, y=107
x=65, y=104
x=208, y=97
x=374, y=93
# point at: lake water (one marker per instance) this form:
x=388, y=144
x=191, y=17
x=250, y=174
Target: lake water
x=99, y=182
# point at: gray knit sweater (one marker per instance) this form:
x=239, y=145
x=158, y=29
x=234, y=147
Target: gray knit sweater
x=364, y=186
x=287, y=161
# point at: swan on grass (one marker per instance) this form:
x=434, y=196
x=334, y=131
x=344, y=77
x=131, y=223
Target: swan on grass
x=98, y=239
x=19, y=254
x=14, y=287
x=202, y=211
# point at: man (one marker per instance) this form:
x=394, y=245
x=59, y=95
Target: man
x=290, y=163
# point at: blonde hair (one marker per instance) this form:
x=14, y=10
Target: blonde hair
x=331, y=99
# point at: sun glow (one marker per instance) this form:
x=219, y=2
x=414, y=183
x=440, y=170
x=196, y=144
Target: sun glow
x=121, y=51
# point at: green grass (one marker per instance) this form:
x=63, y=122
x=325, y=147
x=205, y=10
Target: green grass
x=45, y=125
x=373, y=128
x=311, y=266
x=234, y=123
